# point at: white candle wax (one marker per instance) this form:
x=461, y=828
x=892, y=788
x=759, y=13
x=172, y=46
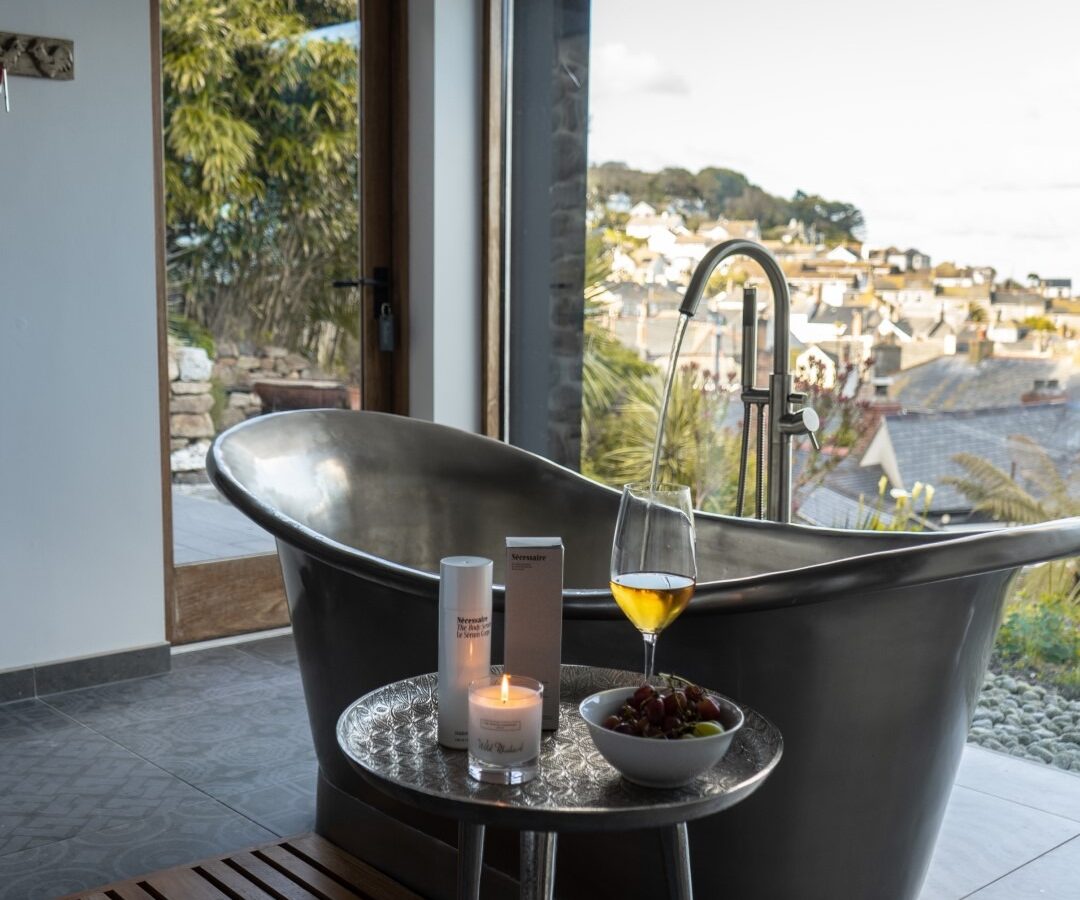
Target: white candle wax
x=504, y=732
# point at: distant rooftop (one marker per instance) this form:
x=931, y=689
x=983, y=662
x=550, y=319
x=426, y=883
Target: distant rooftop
x=955, y=383
x=924, y=444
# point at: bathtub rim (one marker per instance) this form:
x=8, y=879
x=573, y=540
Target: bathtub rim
x=925, y=559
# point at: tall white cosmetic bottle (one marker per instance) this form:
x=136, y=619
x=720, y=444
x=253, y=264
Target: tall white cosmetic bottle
x=464, y=641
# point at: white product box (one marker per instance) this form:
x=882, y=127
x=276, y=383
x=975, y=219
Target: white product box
x=534, y=584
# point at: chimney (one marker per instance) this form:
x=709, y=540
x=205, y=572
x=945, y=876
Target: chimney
x=981, y=348
x=1044, y=391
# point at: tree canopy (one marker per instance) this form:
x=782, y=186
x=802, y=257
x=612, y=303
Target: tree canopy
x=727, y=193
x=260, y=166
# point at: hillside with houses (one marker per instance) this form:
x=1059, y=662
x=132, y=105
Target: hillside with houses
x=942, y=356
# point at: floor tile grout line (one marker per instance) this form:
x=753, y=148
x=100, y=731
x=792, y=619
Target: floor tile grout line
x=150, y=762
x=1039, y=809
x=283, y=665
x=8, y=853
x=1023, y=865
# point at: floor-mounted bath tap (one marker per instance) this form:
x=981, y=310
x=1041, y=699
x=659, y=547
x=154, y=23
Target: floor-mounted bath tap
x=784, y=420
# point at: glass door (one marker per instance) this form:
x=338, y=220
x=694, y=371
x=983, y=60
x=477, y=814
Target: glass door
x=273, y=286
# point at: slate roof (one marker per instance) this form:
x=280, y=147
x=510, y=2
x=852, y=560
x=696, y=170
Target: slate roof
x=633, y=294
x=871, y=318
x=828, y=508
x=835, y=502
x=956, y=383
x=925, y=443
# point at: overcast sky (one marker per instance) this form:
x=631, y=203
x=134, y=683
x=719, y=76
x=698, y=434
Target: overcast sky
x=954, y=125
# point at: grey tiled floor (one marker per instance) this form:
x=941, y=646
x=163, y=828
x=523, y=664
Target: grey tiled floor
x=206, y=526
x=114, y=781
x=119, y=780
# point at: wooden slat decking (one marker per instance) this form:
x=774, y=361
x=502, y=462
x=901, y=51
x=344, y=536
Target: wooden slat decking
x=298, y=868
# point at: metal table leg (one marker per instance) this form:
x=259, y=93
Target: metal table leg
x=676, y=843
x=538, y=865
x=470, y=860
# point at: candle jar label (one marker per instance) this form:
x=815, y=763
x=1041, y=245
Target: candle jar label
x=504, y=741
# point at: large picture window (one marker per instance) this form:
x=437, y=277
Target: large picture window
x=918, y=197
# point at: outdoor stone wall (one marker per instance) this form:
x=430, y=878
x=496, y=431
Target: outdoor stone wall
x=192, y=379
x=237, y=373
x=190, y=402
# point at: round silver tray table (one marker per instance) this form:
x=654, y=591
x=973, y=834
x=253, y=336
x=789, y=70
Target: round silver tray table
x=389, y=735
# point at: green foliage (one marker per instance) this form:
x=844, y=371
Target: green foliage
x=190, y=332
x=833, y=220
x=1041, y=631
x=977, y=313
x=609, y=369
x=688, y=440
x=1039, y=323
x=260, y=166
x=1002, y=496
x=1039, y=634
x=728, y=193
x=1042, y=637
x=905, y=513
x=221, y=402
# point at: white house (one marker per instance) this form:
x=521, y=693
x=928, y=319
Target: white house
x=618, y=203
x=842, y=253
x=1055, y=288
x=662, y=240
x=690, y=246
x=723, y=229
x=642, y=209
x=827, y=287
x=714, y=230
x=1015, y=306
x=623, y=267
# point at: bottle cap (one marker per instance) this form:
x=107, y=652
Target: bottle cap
x=465, y=581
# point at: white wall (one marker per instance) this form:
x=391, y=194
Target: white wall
x=81, y=568
x=445, y=211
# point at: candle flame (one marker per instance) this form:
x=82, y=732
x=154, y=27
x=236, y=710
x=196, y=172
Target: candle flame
x=505, y=688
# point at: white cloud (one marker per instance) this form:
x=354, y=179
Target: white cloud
x=615, y=70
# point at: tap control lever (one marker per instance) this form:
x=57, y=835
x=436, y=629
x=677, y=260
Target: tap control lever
x=802, y=421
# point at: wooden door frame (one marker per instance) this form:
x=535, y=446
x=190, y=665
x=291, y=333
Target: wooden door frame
x=495, y=149
x=164, y=432
x=233, y=596
x=384, y=197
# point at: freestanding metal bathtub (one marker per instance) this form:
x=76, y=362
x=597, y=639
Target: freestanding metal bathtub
x=866, y=649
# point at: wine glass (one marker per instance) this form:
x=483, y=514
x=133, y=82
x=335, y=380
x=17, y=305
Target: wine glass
x=653, y=566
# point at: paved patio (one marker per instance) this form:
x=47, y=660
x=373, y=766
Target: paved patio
x=206, y=526
x=1011, y=832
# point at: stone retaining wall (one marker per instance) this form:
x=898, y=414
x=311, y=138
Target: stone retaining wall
x=190, y=401
x=192, y=377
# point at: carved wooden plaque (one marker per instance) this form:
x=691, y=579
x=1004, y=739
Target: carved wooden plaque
x=37, y=57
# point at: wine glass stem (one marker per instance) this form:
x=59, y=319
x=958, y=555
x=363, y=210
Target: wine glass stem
x=650, y=654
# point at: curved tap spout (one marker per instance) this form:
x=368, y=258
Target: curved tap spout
x=784, y=421
x=777, y=281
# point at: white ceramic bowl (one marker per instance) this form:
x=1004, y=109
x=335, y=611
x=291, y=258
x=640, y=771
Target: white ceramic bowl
x=653, y=762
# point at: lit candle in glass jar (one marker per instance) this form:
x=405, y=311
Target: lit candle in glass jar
x=504, y=728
